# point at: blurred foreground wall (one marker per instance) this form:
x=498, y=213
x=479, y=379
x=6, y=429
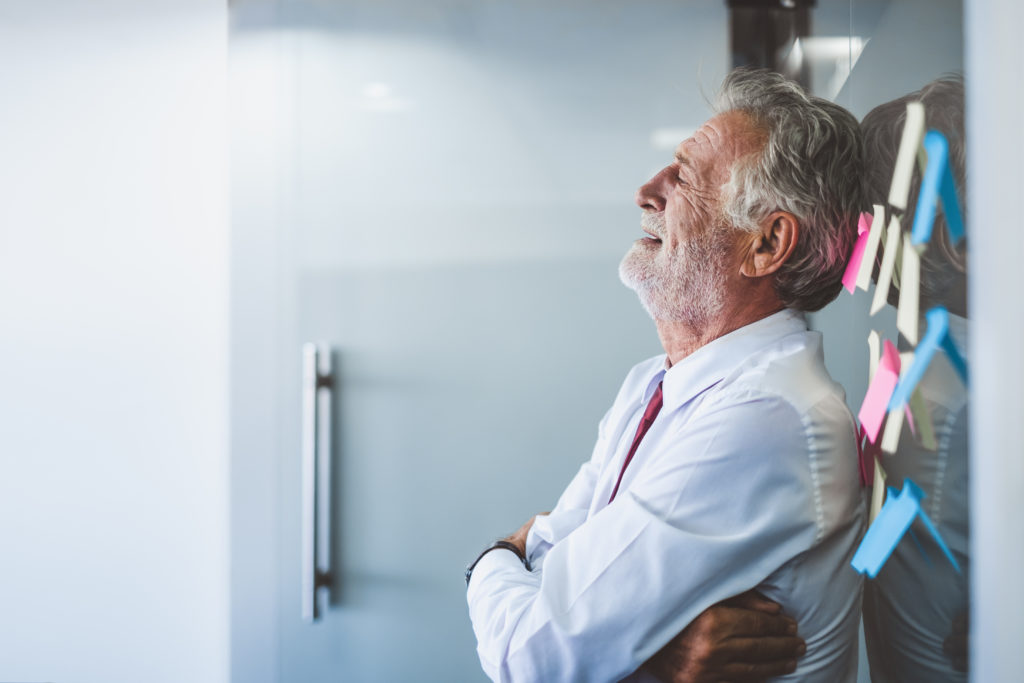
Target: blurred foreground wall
x=113, y=341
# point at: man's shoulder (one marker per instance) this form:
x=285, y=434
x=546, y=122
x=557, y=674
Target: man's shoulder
x=790, y=369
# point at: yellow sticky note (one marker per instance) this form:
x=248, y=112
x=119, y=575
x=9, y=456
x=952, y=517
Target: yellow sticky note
x=910, y=144
x=867, y=262
x=910, y=292
x=922, y=421
x=892, y=246
x=877, y=490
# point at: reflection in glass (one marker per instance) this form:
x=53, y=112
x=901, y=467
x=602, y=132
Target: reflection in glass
x=915, y=611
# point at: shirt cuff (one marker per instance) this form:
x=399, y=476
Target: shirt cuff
x=497, y=561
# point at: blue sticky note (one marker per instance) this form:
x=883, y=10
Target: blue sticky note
x=892, y=522
x=938, y=539
x=937, y=182
x=899, y=512
x=937, y=334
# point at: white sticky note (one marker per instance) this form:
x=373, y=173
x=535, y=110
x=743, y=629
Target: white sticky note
x=893, y=429
x=892, y=246
x=867, y=263
x=874, y=353
x=907, y=316
x=906, y=358
x=910, y=144
x=877, y=490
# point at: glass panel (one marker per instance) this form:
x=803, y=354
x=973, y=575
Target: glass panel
x=915, y=609
x=450, y=185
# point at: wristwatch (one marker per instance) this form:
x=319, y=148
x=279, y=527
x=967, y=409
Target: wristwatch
x=495, y=546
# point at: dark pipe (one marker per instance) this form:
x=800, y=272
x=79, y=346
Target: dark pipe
x=762, y=32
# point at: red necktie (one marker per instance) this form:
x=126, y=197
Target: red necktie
x=653, y=408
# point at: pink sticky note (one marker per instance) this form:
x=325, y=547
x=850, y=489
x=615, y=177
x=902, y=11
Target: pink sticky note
x=872, y=411
x=853, y=266
x=910, y=419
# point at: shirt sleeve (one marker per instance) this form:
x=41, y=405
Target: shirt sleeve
x=713, y=515
x=573, y=504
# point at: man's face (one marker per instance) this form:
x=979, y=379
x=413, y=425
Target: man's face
x=682, y=270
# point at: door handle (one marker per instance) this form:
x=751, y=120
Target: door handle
x=317, y=384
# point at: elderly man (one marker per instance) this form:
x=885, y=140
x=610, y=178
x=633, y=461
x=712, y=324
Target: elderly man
x=728, y=463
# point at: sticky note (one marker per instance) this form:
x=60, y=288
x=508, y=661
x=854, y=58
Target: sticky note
x=853, y=265
x=922, y=419
x=916, y=411
x=892, y=247
x=898, y=512
x=892, y=431
x=910, y=144
x=937, y=334
x=951, y=206
x=935, y=534
x=876, y=401
x=907, y=313
x=874, y=346
x=867, y=262
x=877, y=491
x=937, y=182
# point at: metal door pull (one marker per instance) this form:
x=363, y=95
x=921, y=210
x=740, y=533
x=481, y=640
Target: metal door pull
x=317, y=384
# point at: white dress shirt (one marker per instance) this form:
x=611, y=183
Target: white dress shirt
x=747, y=478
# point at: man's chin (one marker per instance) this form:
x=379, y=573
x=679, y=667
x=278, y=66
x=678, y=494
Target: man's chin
x=633, y=274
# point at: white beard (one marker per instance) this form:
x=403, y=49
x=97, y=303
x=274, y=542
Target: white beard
x=685, y=285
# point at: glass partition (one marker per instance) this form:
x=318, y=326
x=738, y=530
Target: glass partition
x=443, y=191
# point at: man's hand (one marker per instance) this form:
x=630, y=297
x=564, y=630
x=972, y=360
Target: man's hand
x=744, y=638
x=518, y=539
x=956, y=645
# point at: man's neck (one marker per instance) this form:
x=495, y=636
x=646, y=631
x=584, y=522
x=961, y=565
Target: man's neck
x=680, y=339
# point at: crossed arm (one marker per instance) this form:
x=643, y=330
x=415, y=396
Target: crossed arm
x=614, y=587
x=743, y=639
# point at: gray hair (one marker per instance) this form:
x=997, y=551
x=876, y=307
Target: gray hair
x=810, y=166
x=941, y=263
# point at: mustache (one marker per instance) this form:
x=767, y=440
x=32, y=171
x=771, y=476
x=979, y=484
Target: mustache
x=654, y=223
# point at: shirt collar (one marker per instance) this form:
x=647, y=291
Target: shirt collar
x=709, y=364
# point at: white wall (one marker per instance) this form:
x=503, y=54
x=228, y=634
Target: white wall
x=994, y=57
x=113, y=341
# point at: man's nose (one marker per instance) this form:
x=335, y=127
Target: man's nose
x=651, y=195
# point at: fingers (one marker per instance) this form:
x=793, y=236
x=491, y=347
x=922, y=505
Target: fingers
x=753, y=600
x=761, y=650
x=744, y=622
x=748, y=673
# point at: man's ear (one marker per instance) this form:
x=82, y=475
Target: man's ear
x=772, y=245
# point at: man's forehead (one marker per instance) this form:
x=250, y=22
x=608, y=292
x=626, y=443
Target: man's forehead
x=724, y=127
x=685, y=150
